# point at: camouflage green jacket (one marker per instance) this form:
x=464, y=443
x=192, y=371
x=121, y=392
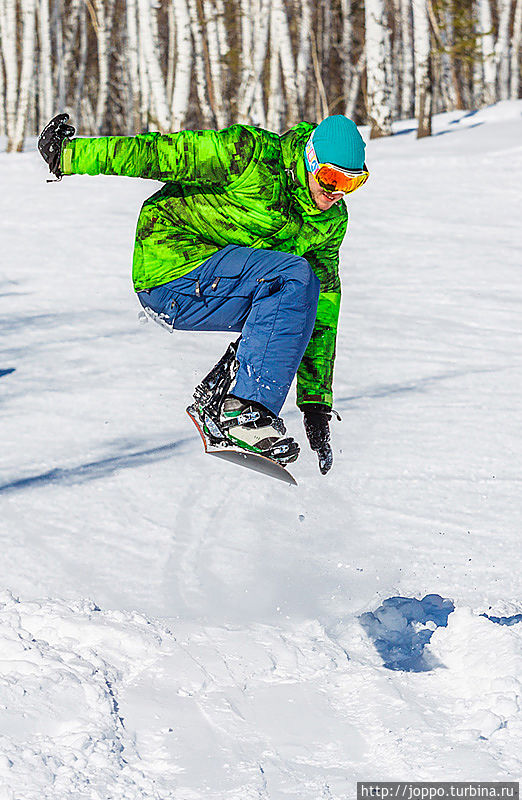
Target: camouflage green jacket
x=242, y=185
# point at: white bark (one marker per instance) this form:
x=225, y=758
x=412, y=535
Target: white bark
x=8, y=33
x=151, y=60
x=346, y=48
x=447, y=86
x=45, y=81
x=502, y=49
x=249, y=104
x=283, y=43
x=407, y=62
x=70, y=36
x=59, y=69
x=2, y=89
x=183, y=69
x=489, y=76
x=102, y=38
x=515, y=51
x=215, y=66
x=275, y=106
x=82, y=67
x=199, y=63
x=28, y=20
x=133, y=69
x=422, y=49
x=303, y=53
x=377, y=68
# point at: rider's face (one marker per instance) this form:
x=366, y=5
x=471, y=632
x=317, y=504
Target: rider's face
x=322, y=199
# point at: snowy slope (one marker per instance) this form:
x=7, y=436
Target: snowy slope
x=173, y=627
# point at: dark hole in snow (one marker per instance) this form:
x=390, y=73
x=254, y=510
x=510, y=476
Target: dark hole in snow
x=395, y=630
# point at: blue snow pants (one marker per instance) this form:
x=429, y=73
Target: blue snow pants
x=271, y=297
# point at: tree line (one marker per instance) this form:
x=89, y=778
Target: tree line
x=128, y=66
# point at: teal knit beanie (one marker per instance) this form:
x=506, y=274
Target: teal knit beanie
x=337, y=141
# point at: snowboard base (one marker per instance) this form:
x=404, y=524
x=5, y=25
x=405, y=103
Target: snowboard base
x=236, y=455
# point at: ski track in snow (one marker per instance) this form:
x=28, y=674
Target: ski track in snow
x=175, y=628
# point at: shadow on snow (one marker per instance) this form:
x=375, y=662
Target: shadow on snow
x=95, y=469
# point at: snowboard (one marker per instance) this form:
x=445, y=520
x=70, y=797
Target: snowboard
x=236, y=455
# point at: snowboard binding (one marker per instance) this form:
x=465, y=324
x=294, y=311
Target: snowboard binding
x=205, y=413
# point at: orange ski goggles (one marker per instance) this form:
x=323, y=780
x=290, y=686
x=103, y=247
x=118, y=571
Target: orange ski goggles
x=332, y=178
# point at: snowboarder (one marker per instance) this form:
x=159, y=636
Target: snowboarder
x=244, y=236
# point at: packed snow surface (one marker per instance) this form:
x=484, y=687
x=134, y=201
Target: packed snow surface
x=176, y=628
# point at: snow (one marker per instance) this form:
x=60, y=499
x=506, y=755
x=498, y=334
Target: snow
x=172, y=626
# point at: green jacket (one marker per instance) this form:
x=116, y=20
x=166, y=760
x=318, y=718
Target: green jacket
x=242, y=185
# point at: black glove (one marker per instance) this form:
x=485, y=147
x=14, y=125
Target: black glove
x=316, y=421
x=51, y=140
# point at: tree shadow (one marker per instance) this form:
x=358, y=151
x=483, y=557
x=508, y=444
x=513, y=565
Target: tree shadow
x=421, y=385
x=94, y=470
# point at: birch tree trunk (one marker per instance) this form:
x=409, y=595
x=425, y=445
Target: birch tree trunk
x=183, y=67
x=489, y=73
x=407, y=63
x=423, y=76
x=102, y=39
x=9, y=20
x=515, y=51
x=45, y=81
x=133, y=68
x=303, y=53
x=253, y=55
x=199, y=63
x=28, y=20
x=59, y=68
x=282, y=42
x=215, y=66
x=275, y=110
x=449, y=85
x=378, y=101
x=151, y=59
x=2, y=86
x=82, y=66
x=502, y=49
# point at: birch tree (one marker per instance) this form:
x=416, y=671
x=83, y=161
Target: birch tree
x=515, y=51
x=407, y=63
x=183, y=64
x=45, y=80
x=254, y=44
x=487, y=47
x=8, y=19
x=202, y=82
x=423, y=76
x=215, y=50
x=378, y=77
x=275, y=111
x=151, y=63
x=134, y=94
x=502, y=49
x=281, y=41
x=28, y=21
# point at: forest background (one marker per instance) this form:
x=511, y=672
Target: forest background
x=128, y=66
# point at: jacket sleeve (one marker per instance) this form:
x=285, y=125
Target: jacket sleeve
x=315, y=373
x=188, y=157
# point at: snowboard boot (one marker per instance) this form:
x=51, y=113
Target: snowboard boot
x=253, y=427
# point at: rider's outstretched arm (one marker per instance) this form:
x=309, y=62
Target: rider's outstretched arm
x=199, y=157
